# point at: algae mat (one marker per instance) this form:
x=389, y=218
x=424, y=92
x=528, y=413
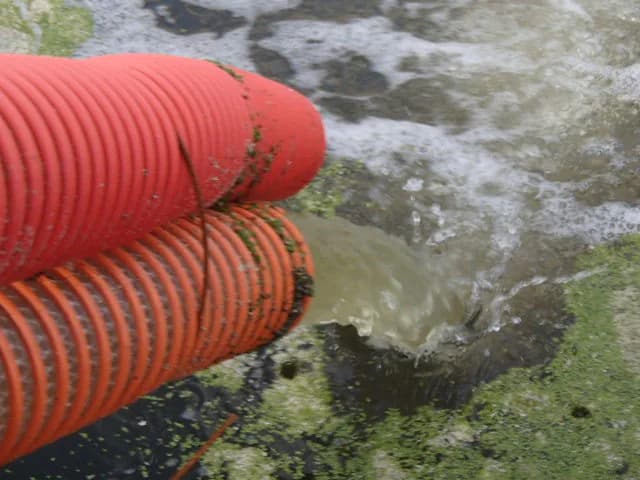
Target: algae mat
x=45, y=27
x=577, y=417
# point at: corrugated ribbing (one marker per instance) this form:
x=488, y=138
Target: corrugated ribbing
x=82, y=340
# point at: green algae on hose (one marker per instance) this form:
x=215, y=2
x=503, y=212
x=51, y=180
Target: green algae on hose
x=246, y=235
x=227, y=69
x=277, y=226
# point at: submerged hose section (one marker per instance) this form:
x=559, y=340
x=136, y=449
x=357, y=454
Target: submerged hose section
x=89, y=156
x=67, y=336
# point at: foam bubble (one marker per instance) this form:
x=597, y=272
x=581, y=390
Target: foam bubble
x=121, y=28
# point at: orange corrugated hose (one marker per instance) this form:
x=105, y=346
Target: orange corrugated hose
x=99, y=160
x=84, y=339
x=89, y=154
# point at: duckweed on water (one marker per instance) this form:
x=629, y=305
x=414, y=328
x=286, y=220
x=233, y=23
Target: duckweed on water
x=576, y=417
x=328, y=189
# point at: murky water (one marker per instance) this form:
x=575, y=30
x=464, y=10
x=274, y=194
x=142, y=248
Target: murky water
x=383, y=288
x=513, y=128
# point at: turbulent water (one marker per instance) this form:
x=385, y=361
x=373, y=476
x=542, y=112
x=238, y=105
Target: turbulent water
x=512, y=130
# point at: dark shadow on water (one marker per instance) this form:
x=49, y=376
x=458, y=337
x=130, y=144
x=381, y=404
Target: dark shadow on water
x=184, y=18
x=365, y=378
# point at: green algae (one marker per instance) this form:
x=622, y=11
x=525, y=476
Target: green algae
x=228, y=70
x=16, y=35
x=328, y=189
x=294, y=418
x=577, y=417
x=304, y=399
x=46, y=27
x=63, y=28
x=11, y=18
x=298, y=401
x=228, y=374
x=239, y=463
x=627, y=322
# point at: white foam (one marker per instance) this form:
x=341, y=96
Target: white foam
x=465, y=167
x=568, y=217
x=121, y=28
x=571, y=6
x=372, y=37
x=627, y=83
x=413, y=184
x=250, y=9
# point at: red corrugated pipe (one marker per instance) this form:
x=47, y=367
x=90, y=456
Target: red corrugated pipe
x=100, y=161
x=82, y=340
x=89, y=156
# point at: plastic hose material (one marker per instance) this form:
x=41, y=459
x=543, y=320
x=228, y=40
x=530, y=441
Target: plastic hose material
x=274, y=168
x=89, y=155
x=82, y=340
